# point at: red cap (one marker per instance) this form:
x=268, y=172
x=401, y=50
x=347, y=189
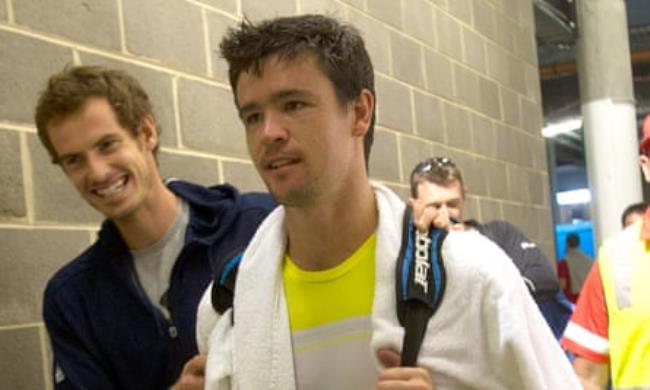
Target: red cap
x=645, y=141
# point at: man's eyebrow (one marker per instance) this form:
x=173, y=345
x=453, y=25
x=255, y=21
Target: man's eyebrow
x=289, y=93
x=278, y=96
x=96, y=144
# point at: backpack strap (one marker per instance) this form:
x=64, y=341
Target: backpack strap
x=420, y=283
x=223, y=282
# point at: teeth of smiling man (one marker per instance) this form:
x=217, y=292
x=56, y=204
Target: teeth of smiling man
x=115, y=188
x=279, y=164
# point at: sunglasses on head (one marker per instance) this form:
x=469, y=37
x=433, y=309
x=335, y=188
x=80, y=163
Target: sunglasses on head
x=428, y=164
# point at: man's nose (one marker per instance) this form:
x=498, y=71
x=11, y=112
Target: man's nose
x=97, y=168
x=274, y=127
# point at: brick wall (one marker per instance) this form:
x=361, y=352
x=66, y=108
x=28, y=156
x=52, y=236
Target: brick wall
x=454, y=77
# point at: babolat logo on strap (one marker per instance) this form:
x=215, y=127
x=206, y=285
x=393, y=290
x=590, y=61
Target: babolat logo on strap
x=420, y=283
x=422, y=266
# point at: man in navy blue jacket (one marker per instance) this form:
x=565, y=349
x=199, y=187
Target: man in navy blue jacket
x=122, y=314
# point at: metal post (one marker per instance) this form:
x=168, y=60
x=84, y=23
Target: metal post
x=609, y=119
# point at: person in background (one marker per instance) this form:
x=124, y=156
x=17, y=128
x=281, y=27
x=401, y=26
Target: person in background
x=437, y=185
x=122, y=314
x=633, y=213
x=609, y=331
x=577, y=265
x=565, y=280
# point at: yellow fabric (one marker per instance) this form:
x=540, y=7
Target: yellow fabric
x=629, y=327
x=316, y=298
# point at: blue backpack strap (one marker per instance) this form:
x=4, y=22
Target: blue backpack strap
x=420, y=283
x=223, y=283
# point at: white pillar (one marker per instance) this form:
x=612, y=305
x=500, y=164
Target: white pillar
x=609, y=118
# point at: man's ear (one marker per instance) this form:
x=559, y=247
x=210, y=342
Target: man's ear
x=148, y=132
x=363, y=110
x=644, y=161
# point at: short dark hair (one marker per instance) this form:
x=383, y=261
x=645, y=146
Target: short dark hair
x=438, y=170
x=339, y=50
x=67, y=92
x=634, y=208
x=572, y=240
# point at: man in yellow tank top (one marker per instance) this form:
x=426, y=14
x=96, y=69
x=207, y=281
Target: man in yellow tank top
x=314, y=305
x=609, y=331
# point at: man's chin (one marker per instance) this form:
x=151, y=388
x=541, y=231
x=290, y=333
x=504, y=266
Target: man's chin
x=292, y=197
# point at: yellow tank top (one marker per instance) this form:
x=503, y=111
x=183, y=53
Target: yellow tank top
x=625, y=272
x=329, y=315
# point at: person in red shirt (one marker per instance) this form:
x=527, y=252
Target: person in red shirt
x=565, y=281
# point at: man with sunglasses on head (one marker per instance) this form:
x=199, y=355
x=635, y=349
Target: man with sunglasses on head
x=437, y=188
x=609, y=331
x=438, y=197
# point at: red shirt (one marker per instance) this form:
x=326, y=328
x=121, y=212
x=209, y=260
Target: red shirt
x=563, y=274
x=586, y=334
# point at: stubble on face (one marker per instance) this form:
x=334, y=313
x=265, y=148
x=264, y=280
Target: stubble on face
x=306, y=134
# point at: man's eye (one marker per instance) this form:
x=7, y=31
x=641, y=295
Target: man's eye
x=69, y=161
x=252, y=119
x=107, y=145
x=294, y=105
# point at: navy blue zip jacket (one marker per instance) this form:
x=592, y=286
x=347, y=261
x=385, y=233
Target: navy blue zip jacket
x=106, y=334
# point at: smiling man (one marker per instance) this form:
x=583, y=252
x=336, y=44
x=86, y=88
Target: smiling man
x=122, y=314
x=315, y=300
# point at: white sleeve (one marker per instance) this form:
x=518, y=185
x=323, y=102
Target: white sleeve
x=206, y=320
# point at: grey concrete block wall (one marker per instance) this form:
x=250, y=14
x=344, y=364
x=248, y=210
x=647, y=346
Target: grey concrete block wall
x=439, y=73
x=229, y=6
x=98, y=16
x=23, y=362
x=217, y=26
x=26, y=63
x=170, y=32
x=394, y=104
x=453, y=77
x=12, y=190
x=407, y=60
x=256, y=10
x=389, y=12
x=242, y=175
x=384, y=158
x=30, y=257
x=418, y=21
x=187, y=167
x=429, y=118
x=325, y=7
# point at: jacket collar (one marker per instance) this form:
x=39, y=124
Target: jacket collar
x=212, y=212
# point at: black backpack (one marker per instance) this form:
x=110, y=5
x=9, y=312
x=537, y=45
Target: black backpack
x=420, y=280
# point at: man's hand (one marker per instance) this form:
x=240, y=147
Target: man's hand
x=592, y=375
x=395, y=377
x=193, y=374
x=425, y=215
